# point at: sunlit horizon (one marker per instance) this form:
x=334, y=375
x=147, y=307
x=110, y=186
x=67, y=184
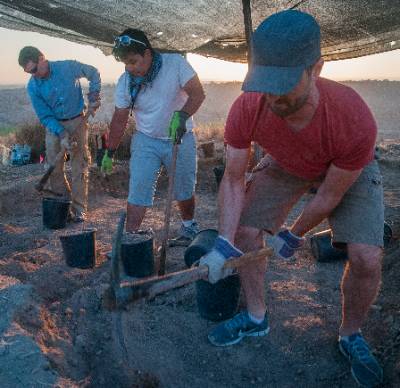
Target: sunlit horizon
x=373, y=67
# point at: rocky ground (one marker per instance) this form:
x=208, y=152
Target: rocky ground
x=55, y=332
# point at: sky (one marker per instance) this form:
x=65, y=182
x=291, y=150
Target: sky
x=379, y=66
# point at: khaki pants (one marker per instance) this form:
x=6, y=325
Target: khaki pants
x=79, y=154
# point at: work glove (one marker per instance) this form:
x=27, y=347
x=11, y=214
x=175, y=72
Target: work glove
x=64, y=140
x=94, y=103
x=285, y=244
x=177, y=126
x=216, y=258
x=92, y=107
x=107, y=162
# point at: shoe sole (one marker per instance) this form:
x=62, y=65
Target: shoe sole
x=261, y=333
x=352, y=371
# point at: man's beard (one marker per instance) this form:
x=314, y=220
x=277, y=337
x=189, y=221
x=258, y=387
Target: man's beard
x=286, y=107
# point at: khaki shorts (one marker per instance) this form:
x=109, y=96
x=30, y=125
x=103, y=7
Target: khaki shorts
x=359, y=217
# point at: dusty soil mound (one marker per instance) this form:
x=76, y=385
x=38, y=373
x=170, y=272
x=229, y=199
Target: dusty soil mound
x=163, y=342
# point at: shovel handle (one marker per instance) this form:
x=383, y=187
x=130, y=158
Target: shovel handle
x=167, y=218
x=116, y=251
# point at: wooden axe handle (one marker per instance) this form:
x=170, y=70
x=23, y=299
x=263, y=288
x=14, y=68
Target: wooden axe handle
x=152, y=286
x=43, y=180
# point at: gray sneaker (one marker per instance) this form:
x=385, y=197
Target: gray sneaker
x=79, y=218
x=235, y=329
x=364, y=367
x=185, y=236
x=76, y=217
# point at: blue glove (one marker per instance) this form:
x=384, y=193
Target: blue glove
x=285, y=243
x=216, y=258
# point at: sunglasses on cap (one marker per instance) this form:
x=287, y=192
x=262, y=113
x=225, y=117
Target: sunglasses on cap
x=125, y=40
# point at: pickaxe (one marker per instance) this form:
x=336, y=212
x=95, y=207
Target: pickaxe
x=118, y=296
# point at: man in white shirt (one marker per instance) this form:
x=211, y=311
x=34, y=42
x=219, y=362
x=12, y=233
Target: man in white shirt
x=163, y=91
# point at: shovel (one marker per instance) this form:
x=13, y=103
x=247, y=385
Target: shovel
x=167, y=217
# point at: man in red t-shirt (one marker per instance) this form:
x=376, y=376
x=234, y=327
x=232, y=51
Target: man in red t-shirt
x=315, y=132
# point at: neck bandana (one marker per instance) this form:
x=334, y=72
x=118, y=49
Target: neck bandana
x=136, y=83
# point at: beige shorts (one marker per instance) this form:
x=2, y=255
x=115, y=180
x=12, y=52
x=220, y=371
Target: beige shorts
x=359, y=217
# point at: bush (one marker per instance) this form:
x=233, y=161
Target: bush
x=8, y=140
x=210, y=131
x=6, y=131
x=123, y=152
x=94, y=130
x=32, y=134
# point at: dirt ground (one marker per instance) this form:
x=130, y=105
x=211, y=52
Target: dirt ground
x=163, y=342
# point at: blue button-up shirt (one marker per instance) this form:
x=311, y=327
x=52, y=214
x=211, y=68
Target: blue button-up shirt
x=59, y=96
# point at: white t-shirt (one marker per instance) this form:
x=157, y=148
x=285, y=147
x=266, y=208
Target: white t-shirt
x=155, y=104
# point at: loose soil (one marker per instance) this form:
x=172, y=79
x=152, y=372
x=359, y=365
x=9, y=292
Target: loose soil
x=163, y=342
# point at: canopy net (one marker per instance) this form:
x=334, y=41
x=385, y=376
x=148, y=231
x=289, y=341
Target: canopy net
x=208, y=27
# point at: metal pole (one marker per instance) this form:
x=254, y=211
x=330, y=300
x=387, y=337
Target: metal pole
x=248, y=29
x=248, y=26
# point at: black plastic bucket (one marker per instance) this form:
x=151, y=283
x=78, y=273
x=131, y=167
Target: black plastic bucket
x=80, y=248
x=137, y=253
x=219, y=173
x=216, y=302
x=201, y=244
x=55, y=212
x=323, y=251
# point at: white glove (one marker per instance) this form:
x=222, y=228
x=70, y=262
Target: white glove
x=215, y=259
x=92, y=107
x=64, y=140
x=285, y=244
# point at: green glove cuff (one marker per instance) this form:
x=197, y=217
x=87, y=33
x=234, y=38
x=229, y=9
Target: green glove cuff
x=106, y=163
x=177, y=126
x=110, y=153
x=183, y=115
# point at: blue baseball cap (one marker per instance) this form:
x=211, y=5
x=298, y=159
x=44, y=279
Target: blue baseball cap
x=283, y=46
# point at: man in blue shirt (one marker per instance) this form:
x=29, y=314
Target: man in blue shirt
x=57, y=99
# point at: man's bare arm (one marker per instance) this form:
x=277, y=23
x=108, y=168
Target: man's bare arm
x=330, y=193
x=196, y=96
x=117, y=127
x=232, y=191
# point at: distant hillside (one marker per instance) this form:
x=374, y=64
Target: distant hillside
x=383, y=97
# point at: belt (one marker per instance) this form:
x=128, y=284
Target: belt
x=72, y=118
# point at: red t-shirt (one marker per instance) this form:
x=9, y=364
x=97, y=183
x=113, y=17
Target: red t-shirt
x=342, y=131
